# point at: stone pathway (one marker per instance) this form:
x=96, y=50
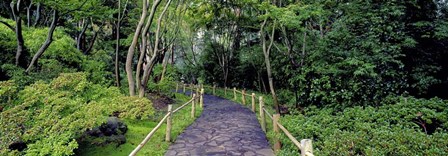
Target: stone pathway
x=224, y=128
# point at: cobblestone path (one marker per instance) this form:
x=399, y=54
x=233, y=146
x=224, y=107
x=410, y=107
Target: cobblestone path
x=224, y=128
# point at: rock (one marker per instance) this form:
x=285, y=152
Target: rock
x=119, y=139
x=110, y=132
x=18, y=145
x=113, y=126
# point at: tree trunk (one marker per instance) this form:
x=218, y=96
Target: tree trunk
x=21, y=49
x=117, y=46
x=145, y=43
x=46, y=43
x=143, y=52
x=172, y=56
x=148, y=70
x=37, y=15
x=165, y=63
x=92, y=42
x=28, y=14
x=80, y=39
x=131, y=49
x=266, y=51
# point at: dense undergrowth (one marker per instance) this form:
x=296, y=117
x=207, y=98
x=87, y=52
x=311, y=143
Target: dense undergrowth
x=402, y=126
x=47, y=118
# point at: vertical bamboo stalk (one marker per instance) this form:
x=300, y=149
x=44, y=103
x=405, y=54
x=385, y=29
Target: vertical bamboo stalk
x=307, y=147
x=201, y=101
x=214, y=86
x=253, y=102
x=262, y=116
x=275, y=119
x=184, y=88
x=243, y=97
x=234, y=93
x=192, y=106
x=177, y=87
x=168, y=124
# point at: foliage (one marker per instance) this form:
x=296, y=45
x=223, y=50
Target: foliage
x=391, y=129
x=138, y=129
x=48, y=117
x=164, y=85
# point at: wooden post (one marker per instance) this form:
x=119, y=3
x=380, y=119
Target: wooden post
x=234, y=93
x=253, y=102
x=200, y=95
x=177, y=87
x=275, y=119
x=184, y=88
x=225, y=91
x=168, y=124
x=243, y=97
x=192, y=107
x=214, y=86
x=307, y=147
x=262, y=116
x=191, y=90
x=201, y=101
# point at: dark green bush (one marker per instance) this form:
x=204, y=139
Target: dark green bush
x=410, y=127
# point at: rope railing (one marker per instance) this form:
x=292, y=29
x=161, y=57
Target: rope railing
x=150, y=134
x=168, y=117
x=268, y=114
x=305, y=145
x=180, y=107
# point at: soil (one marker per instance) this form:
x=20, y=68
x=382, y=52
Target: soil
x=159, y=101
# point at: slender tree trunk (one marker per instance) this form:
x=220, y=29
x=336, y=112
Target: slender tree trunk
x=226, y=75
x=131, y=49
x=21, y=49
x=165, y=63
x=37, y=15
x=302, y=59
x=80, y=39
x=46, y=43
x=28, y=14
x=264, y=85
x=172, y=56
x=92, y=42
x=143, y=49
x=117, y=46
x=266, y=51
x=143, y=52
x=148, y=70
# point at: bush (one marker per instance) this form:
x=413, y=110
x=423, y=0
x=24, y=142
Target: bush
x=410, y=127
x=48, y=117
x=164, y=85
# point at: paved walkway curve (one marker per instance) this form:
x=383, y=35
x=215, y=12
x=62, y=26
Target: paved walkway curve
x=224, y=128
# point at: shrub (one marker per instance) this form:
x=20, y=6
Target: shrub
x=410, y=127
x=48, y=117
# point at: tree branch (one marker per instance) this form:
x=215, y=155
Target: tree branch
x=7, y=25
x=47, y=41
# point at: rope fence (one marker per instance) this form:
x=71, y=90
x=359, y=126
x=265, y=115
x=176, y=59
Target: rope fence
x=305, y=145
x=168, y=116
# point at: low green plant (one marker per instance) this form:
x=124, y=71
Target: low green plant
x=138, y=129
x=48, y=117
x=409, y=127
